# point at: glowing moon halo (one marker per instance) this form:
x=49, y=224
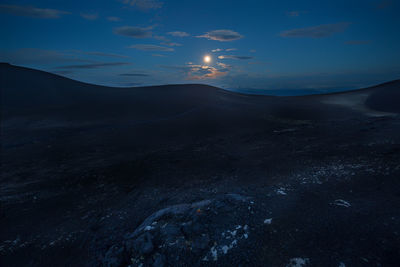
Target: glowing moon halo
x=207, y=59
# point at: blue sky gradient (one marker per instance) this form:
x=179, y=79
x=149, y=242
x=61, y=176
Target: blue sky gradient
x=260, y=44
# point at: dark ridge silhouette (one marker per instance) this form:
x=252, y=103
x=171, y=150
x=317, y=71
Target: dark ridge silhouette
x=28, y=91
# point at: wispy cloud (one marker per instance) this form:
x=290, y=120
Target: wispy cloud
x=30, y=11
x=234, y=57
x=114, y=19
x=358, y=42
x=294, y=13
x=221, y=35
x=133, y=31
x=220, y=50
x=144, y=4
x=150, y=47
x=134, y=74
x=178, y=34
x=200, y=72
x=224, y=66
x=317, y=31
x=94, y=65
x=92, y=16
x=102, y=54
x=161, y=38
x=171, y=44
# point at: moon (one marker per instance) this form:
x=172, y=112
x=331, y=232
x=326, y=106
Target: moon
x=207, y=59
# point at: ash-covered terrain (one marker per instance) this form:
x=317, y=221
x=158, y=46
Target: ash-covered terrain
x=192, y=175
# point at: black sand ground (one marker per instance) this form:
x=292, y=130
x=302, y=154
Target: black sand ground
x=231, y=180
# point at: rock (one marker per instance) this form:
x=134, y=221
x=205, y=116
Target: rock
x=187, y=227
x=143, y=244
x=194, y=227
x=201, y=204
x=113, y=257
x=201, y=242
x=170, y=232
x=159, y=260
x=236, y=197
x=172, y=210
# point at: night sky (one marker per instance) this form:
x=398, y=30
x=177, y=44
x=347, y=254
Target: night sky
x=252, y=44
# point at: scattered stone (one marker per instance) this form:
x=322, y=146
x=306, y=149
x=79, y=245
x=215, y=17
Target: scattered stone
x=341, y=202
x=281, y=191
x=225, y=249
x=268, y=221
x=214, y=252
x=298, y=262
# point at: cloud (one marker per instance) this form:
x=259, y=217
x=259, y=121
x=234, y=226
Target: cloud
x=134, y=74
x=161, y=38
x=316, y=31
x=30, y=11
x=114, y=19
x=253, y=51
x=171, y=44
x=158, y=55
x=95, y=65
x=224, y=66
x=255, y=63
x=201, y=72
x=178, y=34
x=221, y=35
x=220, y=50
x=93, y=16
x=132, y=31
x=101, y=54
x=293, y=13
x=144, y=4
x=358, y=42
x=150, y=47
x=234, y=57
